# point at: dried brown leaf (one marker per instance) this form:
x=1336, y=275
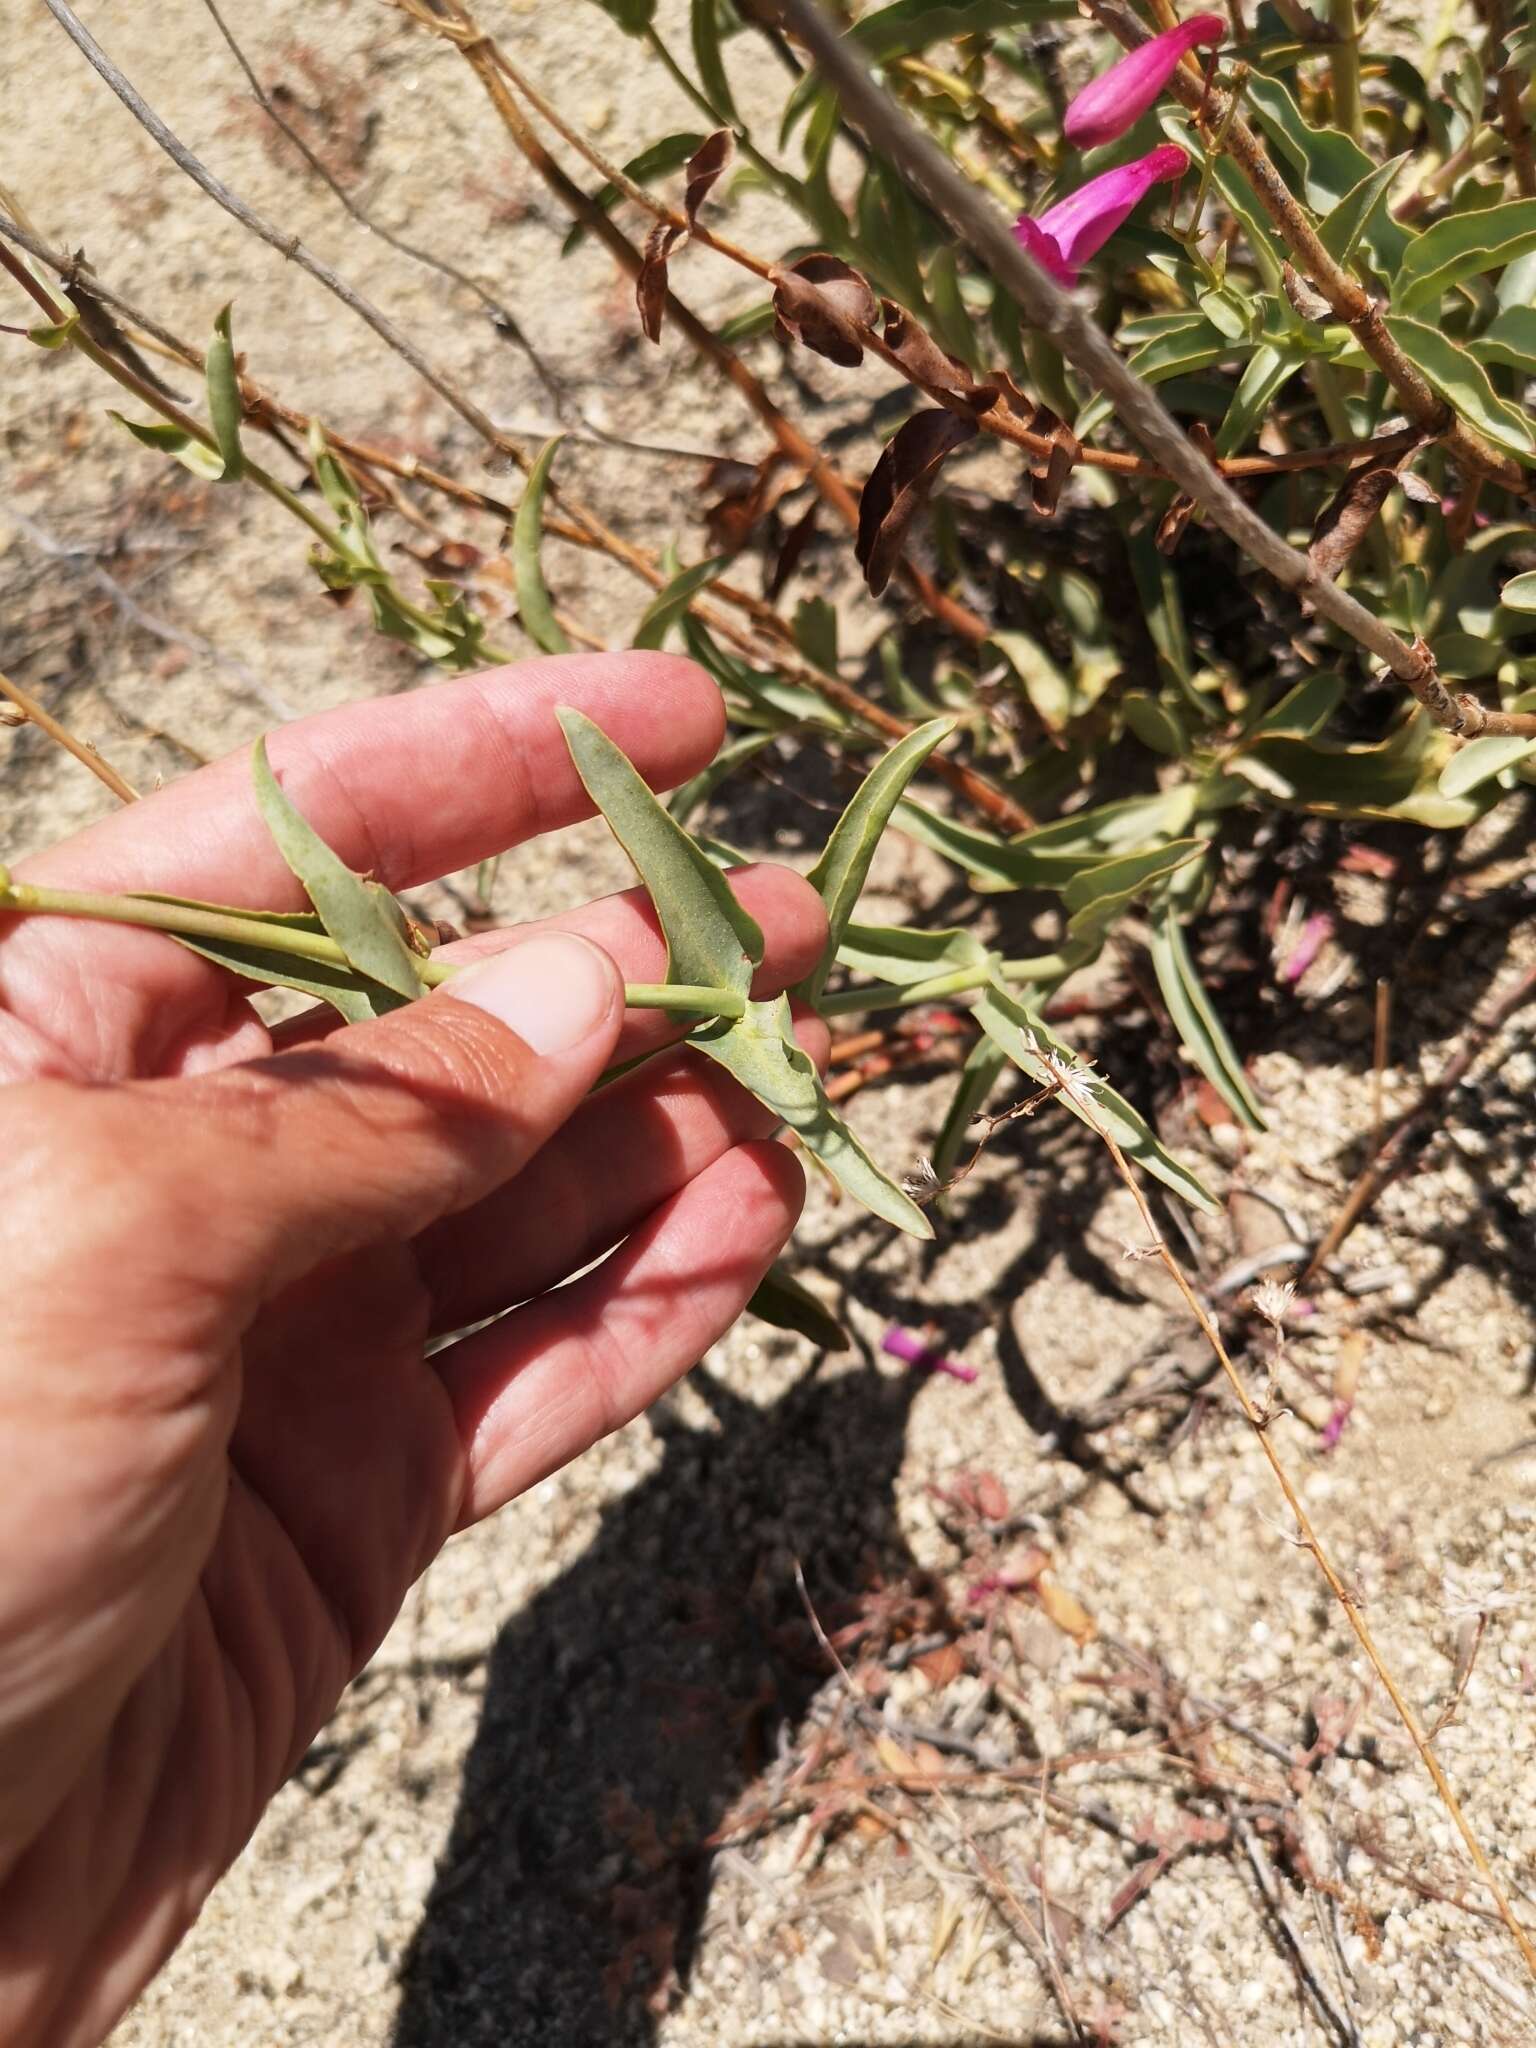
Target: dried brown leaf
x=1170, y=528
x=825, y=303
x=938, y=373
x=1347, y=518
x=711, y=157
x=941, y=1667
x=796, y=541
x=898, y=488
x=1048, y=479
x=1308, y=301
x=651, y=282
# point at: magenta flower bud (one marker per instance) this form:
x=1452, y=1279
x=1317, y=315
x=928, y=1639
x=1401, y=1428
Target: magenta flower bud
x=1077, y=227
x=1118, y=97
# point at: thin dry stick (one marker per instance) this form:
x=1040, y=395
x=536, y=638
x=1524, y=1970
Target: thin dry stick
x=1313, y=1542
x=1354, y=306
x=288, y=246
x=1398, y=1147
x=1059, y=316
x=502, y=317
x=34, y=714
x=1510, y=87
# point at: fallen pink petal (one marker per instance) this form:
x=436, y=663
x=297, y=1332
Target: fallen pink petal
x=1315, y=934
x=1067, y=234
x=915, y=1352
x=1118, y=97
x=1333, y=1428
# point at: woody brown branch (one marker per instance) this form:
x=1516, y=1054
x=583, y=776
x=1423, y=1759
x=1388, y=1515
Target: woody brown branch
x=1349, y=301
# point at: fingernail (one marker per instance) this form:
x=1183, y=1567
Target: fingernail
x=553, y=991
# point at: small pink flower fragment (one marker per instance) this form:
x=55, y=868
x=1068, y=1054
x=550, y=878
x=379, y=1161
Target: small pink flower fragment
x=1333, y=1428
x=1067, y=234
x=1314, y=935
x=1118, y=97
x=902, y=1344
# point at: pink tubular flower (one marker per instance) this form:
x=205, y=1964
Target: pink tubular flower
x=1119, y=97
x=1077, y=227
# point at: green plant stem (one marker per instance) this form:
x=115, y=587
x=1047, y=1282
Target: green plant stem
x=958, y=982
x=1344, y=68
x=24, y=899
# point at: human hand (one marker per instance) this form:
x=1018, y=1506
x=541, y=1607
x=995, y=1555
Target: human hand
x=226, y=1452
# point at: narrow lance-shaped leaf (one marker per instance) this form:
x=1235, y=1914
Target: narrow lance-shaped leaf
x=839, y=876
x=363, y=918
x=1199, y=1027
x=698, y=789
x=354, y=996
x=782, y=1301
x=705, y=25
x=759, y=1049
x=1098, y=895
x=1480, y=760
x=902, y=955
x=533, y=605
x=1463, y=383
x=669, y=605
x=1463, y=245
x=203, y=461
x=1018, y=1032
x=711, y=941
x=224, y=407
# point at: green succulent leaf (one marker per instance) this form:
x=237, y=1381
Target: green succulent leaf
x=788, y=1305
x=1097, y=896
x=1020, y=1034
x=711, y=941
x=911, y=25
x=1519, y=593
x=705, y=27
x=1330, y=167
x=533, y=606
x=1463, y=383
x=759, y=1049
x=839, y=876
x=903, y=956
x=1463, y=245
x=1196, y=1021
x=1306, y=709
x=1342, y=228
x=1480, y=760
x=353, y=996
x=1509, y=340
x=698, y=789
x=224, y=407
x=204, y=462
x=54, y=334
x=362, y=917
x=669, y=605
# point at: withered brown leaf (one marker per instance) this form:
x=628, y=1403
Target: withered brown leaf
x=827, y=305
x=1346, y=518
x=651, y=280
x=899, y=485
x=1048, y=480
x=1170, y=528
x=935, y=369
x=711, y=157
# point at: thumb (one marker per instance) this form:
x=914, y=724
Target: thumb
x=383, y=1127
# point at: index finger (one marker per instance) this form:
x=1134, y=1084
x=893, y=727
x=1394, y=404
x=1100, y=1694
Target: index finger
x=404, y=788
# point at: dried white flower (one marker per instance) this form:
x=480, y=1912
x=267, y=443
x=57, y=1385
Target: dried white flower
x=1064, y=1072
x=922, y=1183
x=1272, y=1299
x=1467, y=1595
x=1131, y=1253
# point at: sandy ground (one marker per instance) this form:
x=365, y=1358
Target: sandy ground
x=598, y=1785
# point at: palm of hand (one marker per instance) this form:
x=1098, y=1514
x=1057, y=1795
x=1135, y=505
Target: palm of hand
x=239, y=1482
